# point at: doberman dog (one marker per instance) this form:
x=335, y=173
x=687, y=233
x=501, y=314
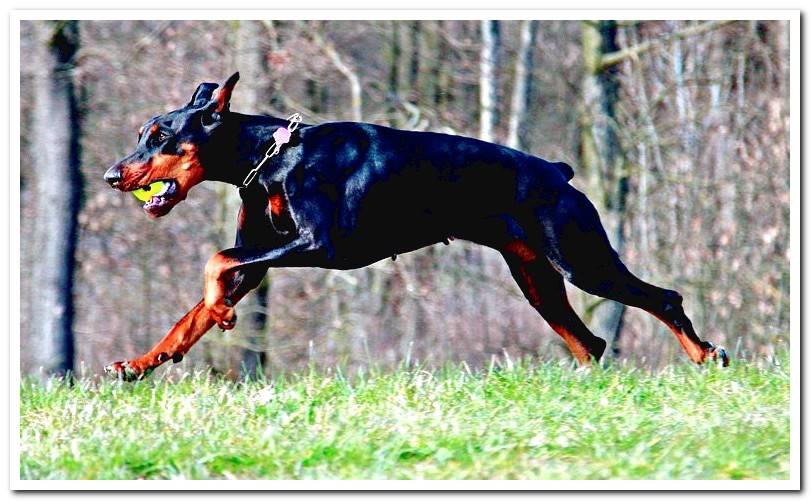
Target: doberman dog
x=344, y=195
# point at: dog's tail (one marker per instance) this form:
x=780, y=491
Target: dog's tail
x=564, y=169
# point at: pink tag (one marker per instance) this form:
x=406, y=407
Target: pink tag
x=282, y=135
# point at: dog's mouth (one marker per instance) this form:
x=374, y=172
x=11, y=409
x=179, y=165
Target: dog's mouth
x=158, y=197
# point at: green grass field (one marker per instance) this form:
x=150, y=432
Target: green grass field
x=513, y=421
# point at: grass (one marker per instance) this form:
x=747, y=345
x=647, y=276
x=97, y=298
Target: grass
x=513, y=421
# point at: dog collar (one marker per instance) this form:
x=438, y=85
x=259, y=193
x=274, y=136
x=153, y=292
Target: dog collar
x=280, y=137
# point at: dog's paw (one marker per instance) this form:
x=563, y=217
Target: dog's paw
x=225, y=316
x=163, y=357
x=123, y=371
x=718, y=354
x=228, y=323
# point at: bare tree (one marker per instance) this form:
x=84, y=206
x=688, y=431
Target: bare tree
x=522, y=86
x=488, y=85
x=249, y=60
x=600, y=152
x=346, y=70
x=58, y=188
x=395, y=52
x=415, y=34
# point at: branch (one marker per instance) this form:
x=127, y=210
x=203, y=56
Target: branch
x=619, y=56
x=270, y=27
x=341, y=66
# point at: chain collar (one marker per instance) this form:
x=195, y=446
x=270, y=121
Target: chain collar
x=280, y=137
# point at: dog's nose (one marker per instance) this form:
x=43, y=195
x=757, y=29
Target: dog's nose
x=113, y=176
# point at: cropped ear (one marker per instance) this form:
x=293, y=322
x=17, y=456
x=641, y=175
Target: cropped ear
x=203, y=94
x=223, y=96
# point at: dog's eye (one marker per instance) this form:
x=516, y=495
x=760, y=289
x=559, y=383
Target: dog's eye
x=159, y=138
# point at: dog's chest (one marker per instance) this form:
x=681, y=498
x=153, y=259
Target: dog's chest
x=277, y=210
x=265, y=217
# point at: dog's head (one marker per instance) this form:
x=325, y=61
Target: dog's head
x=166, y=162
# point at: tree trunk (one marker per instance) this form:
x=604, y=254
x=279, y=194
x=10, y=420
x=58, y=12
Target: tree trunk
x=443, y=93
x=355, y=88
x=488, y=118
x=488, y=86
x=394, y=55
x=415, y=35
x=58, y=186
x=523, y=86
x=250, y=62
x=316, y=96
x=601, y=156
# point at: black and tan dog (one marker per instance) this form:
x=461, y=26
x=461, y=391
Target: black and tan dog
x=344, y=195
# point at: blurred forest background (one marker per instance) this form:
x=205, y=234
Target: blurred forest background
x=677, y=130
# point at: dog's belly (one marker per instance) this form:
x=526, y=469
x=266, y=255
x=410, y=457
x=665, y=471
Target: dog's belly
x=404, y=220
x=367, y=244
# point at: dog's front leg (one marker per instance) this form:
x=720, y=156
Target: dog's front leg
x=225, y=273
x=179, y=340
x=230, y=274
x=172, y=347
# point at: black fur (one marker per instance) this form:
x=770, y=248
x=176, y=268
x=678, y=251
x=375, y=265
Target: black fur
x=348, y=194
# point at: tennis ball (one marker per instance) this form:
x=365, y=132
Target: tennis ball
x=145, y=194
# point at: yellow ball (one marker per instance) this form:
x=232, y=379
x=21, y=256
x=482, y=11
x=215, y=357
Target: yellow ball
x=145, y=194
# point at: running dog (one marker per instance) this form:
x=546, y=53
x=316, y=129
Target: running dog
x=344, y=195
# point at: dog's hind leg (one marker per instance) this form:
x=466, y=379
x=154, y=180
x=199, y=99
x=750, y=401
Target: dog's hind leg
x=543, y=287
x=541, y=284
x=577, y=244
x=666, y=305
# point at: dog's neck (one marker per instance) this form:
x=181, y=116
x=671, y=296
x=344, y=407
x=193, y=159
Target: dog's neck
x=247, y=138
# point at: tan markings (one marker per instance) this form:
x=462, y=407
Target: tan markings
x=185, y=169
x=215, y=289
x=218, y=265
x=276, y=204
x=532, y=291
x=241, y=217
x=576, y=345
x=579, y=350
x=521, y=250
x=190, y=155
x=695, y=351
x=178, y=340
x=223, y=96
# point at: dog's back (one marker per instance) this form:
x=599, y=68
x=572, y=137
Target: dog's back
x=441, y=170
